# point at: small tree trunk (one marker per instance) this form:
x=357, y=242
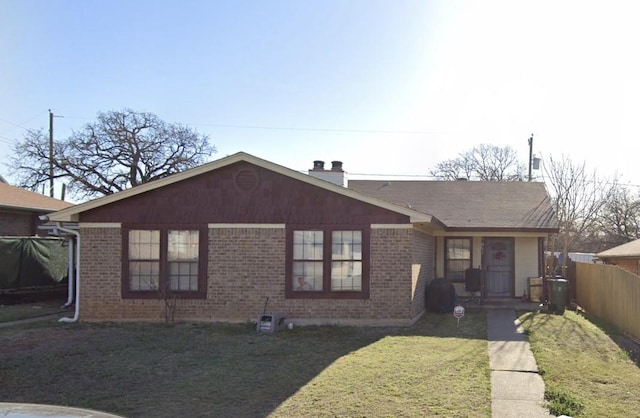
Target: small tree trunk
x=170, y=304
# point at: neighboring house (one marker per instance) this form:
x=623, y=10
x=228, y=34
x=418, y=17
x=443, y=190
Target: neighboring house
x=626, y=256
x=20, y=209
x=223, y=237
x=555, y=260
x=579, y=257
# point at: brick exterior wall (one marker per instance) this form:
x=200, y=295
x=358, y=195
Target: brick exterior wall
x=245, y=266
x=16, y=224
x=391, y=253
x=422, y=269
x=100, y=273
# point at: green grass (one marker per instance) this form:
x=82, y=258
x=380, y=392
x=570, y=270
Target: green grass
x=586, y=370
x=434, y=368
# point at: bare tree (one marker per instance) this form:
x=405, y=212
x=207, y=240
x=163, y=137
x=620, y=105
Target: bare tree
x=579, y=198
x=122, y=149
x=620, y=219
x=170, y=299
x=484, y=162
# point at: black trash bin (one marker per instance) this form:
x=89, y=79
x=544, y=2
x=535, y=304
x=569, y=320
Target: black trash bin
x=557, y=290
x=440, y=296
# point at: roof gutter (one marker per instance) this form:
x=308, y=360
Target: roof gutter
x=76, y=314
x=70, y=275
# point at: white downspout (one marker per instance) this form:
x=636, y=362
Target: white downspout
x=76, y=314
x=70, y=276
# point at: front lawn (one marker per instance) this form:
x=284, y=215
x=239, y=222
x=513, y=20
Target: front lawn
x=587, y=369
x=434, y=368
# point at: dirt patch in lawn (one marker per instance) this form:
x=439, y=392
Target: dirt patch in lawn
x=15, y=312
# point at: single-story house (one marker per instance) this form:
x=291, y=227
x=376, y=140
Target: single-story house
x=20, y=210
x=229, y=237
x=626, y=256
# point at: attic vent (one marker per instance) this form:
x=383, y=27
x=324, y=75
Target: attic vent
x=246, y=180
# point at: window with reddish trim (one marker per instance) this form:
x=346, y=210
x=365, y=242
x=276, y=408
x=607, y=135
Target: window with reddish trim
x=144, y=260
x=308, y=261
x=164, y=261
x=457, y=254
x=327, y=263
x=346, y=261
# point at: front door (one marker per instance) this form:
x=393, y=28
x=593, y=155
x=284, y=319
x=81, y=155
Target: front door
x=498, y=263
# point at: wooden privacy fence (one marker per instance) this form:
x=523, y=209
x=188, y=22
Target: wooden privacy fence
x=609, y=293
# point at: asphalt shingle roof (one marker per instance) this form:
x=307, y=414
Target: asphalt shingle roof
x=470, y=204
x=16, y=198
x=630, y=249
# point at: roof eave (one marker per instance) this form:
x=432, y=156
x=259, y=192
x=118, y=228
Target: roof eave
x=433, y=222
x=502, y=229
x=26, y=208
x=601, y=257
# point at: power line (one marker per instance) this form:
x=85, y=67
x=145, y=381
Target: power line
x=77, y=117
x=289, y=128
x=20, y=125
x=7, y=140
x=283, y=128
x=13, y=124
x=426, y=176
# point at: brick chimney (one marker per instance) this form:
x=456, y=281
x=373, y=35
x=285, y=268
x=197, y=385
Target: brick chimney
x=336, y=175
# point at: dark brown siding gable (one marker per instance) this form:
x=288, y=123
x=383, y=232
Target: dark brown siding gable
x=242, y=193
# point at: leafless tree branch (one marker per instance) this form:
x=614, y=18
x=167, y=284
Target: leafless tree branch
x=579, y=197
x=484, y=162
x=121, y=149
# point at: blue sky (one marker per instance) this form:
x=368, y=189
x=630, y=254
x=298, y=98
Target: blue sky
x=387, y=87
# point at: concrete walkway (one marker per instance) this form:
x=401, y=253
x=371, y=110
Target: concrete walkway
x=517, y=390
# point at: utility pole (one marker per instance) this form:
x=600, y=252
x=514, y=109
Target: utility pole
x=530, y=154
x=51, y=154
x=51, y=116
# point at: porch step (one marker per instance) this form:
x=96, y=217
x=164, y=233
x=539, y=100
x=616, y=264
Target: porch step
x=507, y=303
